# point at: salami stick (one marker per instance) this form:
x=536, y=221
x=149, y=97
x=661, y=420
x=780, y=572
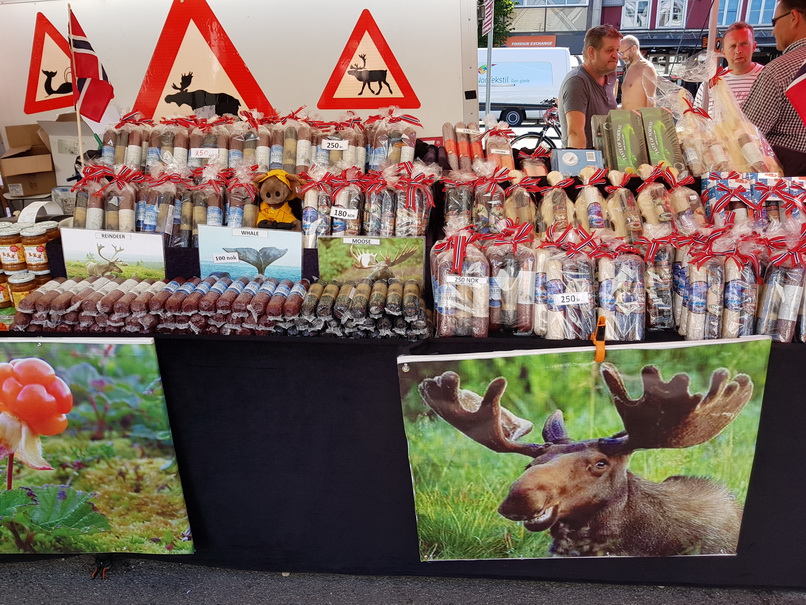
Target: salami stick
x=122, y=306
x=154, y=302
x=106, y=304
x=274, y=310
x=324, y=309
x=540, y=321
x=241, y=302
x=449, y=142
x=257, y=306
x=190, y=305
x=360, y=302
x=293, y=304
x=308, y=309
x=173, y=304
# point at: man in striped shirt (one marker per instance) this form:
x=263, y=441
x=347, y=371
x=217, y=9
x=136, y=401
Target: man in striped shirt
x=738, y=46
x=767, y=105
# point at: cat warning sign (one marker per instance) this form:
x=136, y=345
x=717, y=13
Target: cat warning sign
x=367, y=75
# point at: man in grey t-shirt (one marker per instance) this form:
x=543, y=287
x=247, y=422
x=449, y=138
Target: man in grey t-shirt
x=589, y=90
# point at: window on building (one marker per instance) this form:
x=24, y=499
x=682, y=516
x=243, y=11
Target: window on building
x=760, y=12
x=635, y=14
x=671, y=13
x=729, y=12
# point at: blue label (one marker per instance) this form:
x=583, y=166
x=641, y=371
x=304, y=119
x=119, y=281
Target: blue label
x=554, y=287
x=697, y=297
x=679, y=278
x=215, y=217
x=235, y=155
x=606, y=299
x=150, y=218
x=540, y=288
x=595, y=216
x=734, y=295
x=235, y=216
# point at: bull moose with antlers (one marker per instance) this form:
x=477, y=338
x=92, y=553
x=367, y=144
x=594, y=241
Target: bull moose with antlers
x=583, y=493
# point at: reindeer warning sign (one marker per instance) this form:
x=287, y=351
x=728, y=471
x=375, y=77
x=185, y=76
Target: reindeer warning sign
x=196, y=68
x=49, y=82
x=367, y=75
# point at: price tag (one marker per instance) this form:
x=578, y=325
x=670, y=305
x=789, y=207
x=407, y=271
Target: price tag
x=362, y=241
x=460, y=280
x=467, y=131
x=348, y=214
x=225, y=258
x=571, y=298
x=499, y=151
x=250, y=233
x=204, y=152
x=335, y=144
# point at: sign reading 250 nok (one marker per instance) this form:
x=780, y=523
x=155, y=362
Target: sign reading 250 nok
x=631, y=454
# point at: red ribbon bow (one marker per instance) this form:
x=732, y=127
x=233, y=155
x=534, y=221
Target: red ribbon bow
x=539, y=153
x=93, y=173
x=123, y=177
x=134, y=118
x=729, y=193
x=699, y=111
x=458, y=243
x=721, y=71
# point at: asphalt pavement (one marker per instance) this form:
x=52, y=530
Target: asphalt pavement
x=136, y=581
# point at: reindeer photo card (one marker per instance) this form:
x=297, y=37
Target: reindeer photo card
x=356, y=258
x=89, y=253
x=548, y=453
x=237, y=253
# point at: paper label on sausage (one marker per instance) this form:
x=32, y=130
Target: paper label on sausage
x=461, y=280
x=467, y=131
x=187, y=287
x=362, y=241
x=268, y=287
x=299, y=288
x=252, y=287
x=561, y=299
x=215, y=216
x=790, y=301
x=303, y=152
x=499, y=151
x=282, y=290
x=349, y=214
x=225, y=258
x=219, y=287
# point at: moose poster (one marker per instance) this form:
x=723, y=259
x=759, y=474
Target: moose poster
x=87, y=457
x=547, y=453
x=357, y=258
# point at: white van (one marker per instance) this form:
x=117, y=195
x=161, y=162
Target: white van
x=524, y=81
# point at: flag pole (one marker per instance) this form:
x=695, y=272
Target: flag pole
x=76, y=100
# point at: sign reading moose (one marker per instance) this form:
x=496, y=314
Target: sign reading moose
x=583, y=491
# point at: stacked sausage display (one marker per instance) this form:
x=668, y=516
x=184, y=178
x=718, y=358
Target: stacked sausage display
x=220, y=305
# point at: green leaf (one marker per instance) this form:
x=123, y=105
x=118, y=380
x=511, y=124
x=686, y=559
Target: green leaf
x=60, y=506
x=11, y=500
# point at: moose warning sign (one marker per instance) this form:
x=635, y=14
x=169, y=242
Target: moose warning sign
x=367, y=75
x=196, y=68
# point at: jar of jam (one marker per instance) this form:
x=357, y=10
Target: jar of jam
x=12, y=255
x=41, y=277
x=33, y=241
x=5, y=297
x=51, y=228
x=20, y=285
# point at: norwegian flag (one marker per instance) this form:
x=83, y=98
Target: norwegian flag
x=796, y=92
x=487, y=23
x=92, y=91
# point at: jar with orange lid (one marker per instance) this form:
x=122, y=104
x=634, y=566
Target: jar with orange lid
x=12, y=254
x=33, y=241
x=5, y=297
x=51, y=228
x=41, y=277
x=20, y=285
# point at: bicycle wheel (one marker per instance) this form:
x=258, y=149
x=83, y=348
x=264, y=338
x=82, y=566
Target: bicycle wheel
x=535, y=139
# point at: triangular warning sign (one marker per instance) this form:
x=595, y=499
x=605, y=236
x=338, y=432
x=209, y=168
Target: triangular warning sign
x=49, y=81
x=195, y=65
x=367, y=75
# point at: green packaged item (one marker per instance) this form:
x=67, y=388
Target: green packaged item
x=627, y=137
x=661, y=138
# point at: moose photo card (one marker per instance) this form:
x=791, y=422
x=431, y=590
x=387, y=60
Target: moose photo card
x=86, y=452
x=90, y=253
x=356, y=258
x=530, y=454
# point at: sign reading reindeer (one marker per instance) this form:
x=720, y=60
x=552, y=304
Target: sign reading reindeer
x=223, y=102
x=112, y=266
x=583, y=493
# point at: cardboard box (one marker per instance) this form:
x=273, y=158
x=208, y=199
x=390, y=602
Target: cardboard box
x=629, y=145
x=26, y=166
x=61, y=138
x=570, y=161
x=661, y=138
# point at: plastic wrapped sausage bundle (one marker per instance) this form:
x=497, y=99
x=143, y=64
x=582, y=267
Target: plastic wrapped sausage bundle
x=89, y=197
x=464, y=136
x=450, y=145
x=535, y=163
x=244, y=137
x=658, y=280
x=463, y=289
x=780, y=301
x=390, y=138
x=622, y=297
x=688, y=212
x=705, y=297
x=209, y=143
x=519, y=205
x=570, y=296
x=489, y=197
x=512, y=282
x=378, y=216
x=740, y=297
x=414, y=198
x=556, y=209
x=241, y=193
x=622, y=209
x=119, y=203
x=316, y=205
x=590, y=204
x=653, y=203
x=348, y=203
x=459, y=200
x=208, y=200
x=496, y=143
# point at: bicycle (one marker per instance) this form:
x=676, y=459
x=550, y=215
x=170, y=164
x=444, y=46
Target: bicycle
x=543, y=136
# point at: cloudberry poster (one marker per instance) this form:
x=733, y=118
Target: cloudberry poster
x=531, y=454
x=86, y=453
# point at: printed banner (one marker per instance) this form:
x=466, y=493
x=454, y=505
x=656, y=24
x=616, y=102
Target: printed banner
x=647, y=454
x=88, y=461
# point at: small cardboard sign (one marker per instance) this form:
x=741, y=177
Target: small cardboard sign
x=236, y=253
x=361, y=257
x=89, y=253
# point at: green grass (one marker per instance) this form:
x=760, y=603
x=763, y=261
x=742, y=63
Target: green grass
x=459, y=483
x=78, y=270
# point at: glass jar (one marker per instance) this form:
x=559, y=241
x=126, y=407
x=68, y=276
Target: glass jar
x=33, y=241
x=12, y=254
x=51, y=228
x=20, y=285
x=5, y=297
x=41, y=277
